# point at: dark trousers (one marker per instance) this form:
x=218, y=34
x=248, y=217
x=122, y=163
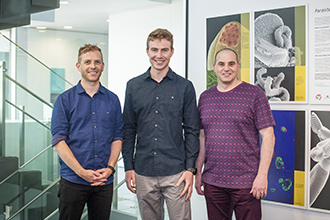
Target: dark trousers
x=73, y=198
x=221, y=202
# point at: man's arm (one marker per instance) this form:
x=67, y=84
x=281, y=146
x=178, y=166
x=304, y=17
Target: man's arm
x=104, y=173
x=259, y=187
x=191, y=132
x=199, y=163
x=130, y=127
x=69, y=159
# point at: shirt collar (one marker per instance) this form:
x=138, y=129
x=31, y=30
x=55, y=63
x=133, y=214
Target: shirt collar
x=80, y=89
x=169, y=74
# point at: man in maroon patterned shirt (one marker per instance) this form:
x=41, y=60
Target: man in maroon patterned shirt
x=232, y=116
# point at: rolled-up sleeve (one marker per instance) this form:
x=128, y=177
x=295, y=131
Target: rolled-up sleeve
x=59, y=122
x=119, y=124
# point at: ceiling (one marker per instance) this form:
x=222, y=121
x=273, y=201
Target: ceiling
x=88, y=16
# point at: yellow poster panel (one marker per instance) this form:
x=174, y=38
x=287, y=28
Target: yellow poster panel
x=300, y=83
x=299, y=188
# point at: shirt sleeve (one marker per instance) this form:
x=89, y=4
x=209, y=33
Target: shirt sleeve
x=130, y=126
x=119, y=124
x=263, y=114
x=59, y=121
x=191, y=126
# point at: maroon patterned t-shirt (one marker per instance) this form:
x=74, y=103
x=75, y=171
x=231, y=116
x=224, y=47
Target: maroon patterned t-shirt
x=231, y=122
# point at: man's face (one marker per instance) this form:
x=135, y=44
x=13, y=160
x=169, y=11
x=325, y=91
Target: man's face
x=90, y=66
x=160, y=53
x=226, y=67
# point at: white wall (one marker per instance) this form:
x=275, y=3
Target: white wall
x=127, y=58
x=198, y=12
x=128, y=34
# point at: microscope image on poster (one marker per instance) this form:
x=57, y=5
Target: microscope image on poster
x=278, y=54
x=320, y=160
x=273, y=42
x=288, y=158
x=277, y=83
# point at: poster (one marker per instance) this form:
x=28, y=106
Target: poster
x=279, y=53
x=319, y=14
x=319, y=183
x=232, y=31
x=286, y=176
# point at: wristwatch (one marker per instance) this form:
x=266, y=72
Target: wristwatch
x=112, y=169
x=193, y=170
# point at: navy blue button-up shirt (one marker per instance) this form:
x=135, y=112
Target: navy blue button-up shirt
x=161, y=125
x=88, y=125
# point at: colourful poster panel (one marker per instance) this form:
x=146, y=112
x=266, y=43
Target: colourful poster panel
x=279, y=53
x=232, y=31
x=286, y=179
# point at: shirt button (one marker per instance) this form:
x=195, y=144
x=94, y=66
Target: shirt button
x=95, y=141
x=155, y=153
x=172, y=97
x=156, y=125
x=93, y=113
x=155, y=139
x=95, y=155
x=156, y=112
x=157, y=98
x=94, y=126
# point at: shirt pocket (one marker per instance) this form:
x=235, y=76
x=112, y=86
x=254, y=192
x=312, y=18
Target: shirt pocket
x=173, y=105
x=107, y=119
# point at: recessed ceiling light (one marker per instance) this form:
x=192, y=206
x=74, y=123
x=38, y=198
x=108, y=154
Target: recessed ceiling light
x=41, y=28
x=68, y=27
x=64, y=2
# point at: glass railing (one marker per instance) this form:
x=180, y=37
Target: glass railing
x=29, y=171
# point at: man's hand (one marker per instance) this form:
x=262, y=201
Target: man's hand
x=130, y=180
x=259, y=187
x=199, y=183
x=101, y=176
x=96, y=178
x=188, y=178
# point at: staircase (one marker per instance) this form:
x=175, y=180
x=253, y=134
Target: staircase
x=29, y=173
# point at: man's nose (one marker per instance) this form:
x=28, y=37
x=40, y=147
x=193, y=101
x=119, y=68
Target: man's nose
x=159, y=53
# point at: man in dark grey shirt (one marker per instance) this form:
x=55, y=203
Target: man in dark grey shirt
x=161, y=129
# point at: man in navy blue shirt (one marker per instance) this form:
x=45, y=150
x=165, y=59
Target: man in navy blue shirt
x=87, y=129
x=161, y=129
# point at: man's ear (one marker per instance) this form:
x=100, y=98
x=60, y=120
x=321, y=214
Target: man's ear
x=78, y=66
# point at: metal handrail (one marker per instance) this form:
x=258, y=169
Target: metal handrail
x=35, y=58
x=29, y=91
x=18, y=108
x=29, y=161
x=34, y=199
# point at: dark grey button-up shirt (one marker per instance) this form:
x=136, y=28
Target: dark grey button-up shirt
x=161, y=125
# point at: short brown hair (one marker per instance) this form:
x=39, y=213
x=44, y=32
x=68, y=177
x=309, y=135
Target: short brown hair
x=223, y=49
x=86, y=48
x=160, y=34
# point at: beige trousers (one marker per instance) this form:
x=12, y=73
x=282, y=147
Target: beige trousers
x=151, y=193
